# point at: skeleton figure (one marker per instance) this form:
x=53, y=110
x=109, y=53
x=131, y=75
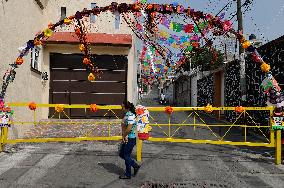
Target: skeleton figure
x=273, y=91
x=142, y=119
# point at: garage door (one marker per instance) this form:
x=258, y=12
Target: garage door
x=69, y=83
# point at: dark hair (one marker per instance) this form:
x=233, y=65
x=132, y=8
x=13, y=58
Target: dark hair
x=129, y=106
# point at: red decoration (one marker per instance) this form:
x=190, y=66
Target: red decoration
x=139, y=27
x=19, y=61
x=188, y=28
x=169, y=110
x=94, y=108
x=140, y=111
x=143, y=136
x=195, y=44
x=227, y=25
x=77, y=31
x=32, y=106
x=256, y=58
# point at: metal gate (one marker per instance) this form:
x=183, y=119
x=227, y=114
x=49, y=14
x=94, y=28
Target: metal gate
x=182, y=125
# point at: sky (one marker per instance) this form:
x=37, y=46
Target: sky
x=265, y=19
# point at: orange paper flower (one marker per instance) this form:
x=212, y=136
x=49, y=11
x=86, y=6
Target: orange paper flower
x=93, y=107
x=150, y=6
x=37, y=42
x=137, y=6
x=86, y=61
x=82, y=47
x=239, y=109
x=50, y=25
x=32, y=106
x=208, y=108
x=195, y=44
x=242, y=39
x=77, y=31
x=91, y=77
x=59, y=108
x=265, y=67
x=169, y=110
x=246, y=44
x=19, y=61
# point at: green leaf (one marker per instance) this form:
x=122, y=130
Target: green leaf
x=196, y=30
x=189, y=49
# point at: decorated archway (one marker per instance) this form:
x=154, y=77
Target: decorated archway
x=161, y=60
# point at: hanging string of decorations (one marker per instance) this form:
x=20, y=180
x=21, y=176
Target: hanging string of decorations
x=201, y=21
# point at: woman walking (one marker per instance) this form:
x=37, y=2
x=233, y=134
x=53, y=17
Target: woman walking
x=128, y=127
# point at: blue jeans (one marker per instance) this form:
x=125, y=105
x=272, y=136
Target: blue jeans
x=125, y=153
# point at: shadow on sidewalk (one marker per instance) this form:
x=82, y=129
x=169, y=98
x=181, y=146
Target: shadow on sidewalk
x=112, y=168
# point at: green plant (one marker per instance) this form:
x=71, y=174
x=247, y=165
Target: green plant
x=205, y=58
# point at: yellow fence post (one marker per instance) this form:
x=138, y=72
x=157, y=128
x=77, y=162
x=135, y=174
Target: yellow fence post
x=3, y=137
x=139, y=150
x=272, y=133
x=278, y=148
x=34, y=118
x=169, y=124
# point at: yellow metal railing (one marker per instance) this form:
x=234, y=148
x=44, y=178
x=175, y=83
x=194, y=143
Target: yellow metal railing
x=194, y=114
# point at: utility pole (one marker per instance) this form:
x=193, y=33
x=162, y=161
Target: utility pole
x=241, y=55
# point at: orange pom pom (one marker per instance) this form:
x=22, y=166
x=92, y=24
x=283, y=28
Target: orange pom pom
x=50, y=25
x=93, y=107
x=59, y=108
x=246, y=44
x=37, y=42
x=82, y=47
x=32, y=106
x=77, y=31
x=265, y=67
x=19, y=61
x=208, y=108
x=86, y=61
x=169, y=110
x=91, y=77
x=239, y=109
